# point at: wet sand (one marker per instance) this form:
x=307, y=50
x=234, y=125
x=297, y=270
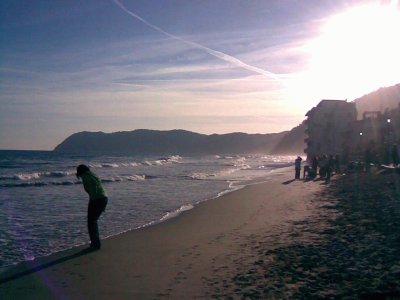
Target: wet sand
x=279, y=239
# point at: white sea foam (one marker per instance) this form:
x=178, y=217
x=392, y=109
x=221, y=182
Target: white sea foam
x=119, y=178
x=58, y=173
x=36, y=175
x=163, y=161
x=201, y=176
x=39, y=183
x=130, y=164
x=177, y=212
x=27, y=176
x=109, y=165
x=133, y=177
x=232, y=188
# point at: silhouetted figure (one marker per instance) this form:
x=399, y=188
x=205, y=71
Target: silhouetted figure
x=337, y=164
x=97, y=202
x=297, y=167
x=395, y=155
x=323, y=165
x=306, y=170
x=314, y=167
x=329, y=167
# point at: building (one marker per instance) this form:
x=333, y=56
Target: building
x=330, y=128
x=379, y=135
x=333, y=129
x=369, y=137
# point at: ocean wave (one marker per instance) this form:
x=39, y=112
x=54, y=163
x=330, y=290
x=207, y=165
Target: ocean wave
x=200, y=176
x=131, y=164
x=175, y=158
x=104, y=165
x=173, y=214
x=38, y=184
x=36, y=175
x=164, y=160
x=157, y=162
x=232, y=187
x=243, y=166
x=275, y=165
x=134, y=177
x=214, y=175
x=35, y=183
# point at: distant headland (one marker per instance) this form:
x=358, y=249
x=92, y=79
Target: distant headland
x=182, y=142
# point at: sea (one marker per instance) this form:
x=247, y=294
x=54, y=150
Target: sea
x=43, y=205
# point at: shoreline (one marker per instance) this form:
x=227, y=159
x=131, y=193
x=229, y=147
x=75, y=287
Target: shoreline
x=165, y=218
x=170, y=248
x=281, y=239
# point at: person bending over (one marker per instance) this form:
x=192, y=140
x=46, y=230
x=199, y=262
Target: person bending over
x=97, y=202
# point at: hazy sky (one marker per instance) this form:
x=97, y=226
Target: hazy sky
x=210, y=66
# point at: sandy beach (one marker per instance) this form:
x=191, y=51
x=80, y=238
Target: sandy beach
x=281, y=239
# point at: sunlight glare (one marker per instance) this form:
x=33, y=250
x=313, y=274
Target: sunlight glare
x=357, y=52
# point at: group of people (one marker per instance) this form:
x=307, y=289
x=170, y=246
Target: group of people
x=323, y=166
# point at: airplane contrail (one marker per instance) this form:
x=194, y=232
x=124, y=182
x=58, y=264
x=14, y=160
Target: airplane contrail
x=218, y=54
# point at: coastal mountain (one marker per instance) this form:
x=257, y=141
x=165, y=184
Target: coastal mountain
x=292, y=143
x=379, y=100
x=154, y=142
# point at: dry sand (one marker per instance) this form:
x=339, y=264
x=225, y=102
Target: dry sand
x=282, y=239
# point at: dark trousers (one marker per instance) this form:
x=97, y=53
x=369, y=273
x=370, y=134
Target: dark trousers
x=95, y=209
x=297, y=173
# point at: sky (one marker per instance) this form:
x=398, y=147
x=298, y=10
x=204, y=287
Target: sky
x=254, y=66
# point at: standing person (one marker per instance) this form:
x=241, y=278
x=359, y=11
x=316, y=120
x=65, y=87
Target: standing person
x=395, y=155
x=297, y=167
x=323, y=166
x=97, y=202
x=329, y=168
x=306, y=170
x=337, y=164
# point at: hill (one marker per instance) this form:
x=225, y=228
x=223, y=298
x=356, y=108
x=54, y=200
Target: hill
x=154, y=142
x=380, y=100
x=292, y=143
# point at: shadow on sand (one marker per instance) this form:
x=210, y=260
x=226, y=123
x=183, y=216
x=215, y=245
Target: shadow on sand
x=43, y=263
x=289, y=181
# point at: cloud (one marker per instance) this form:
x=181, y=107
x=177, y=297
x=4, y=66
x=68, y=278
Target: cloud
x=218, y=54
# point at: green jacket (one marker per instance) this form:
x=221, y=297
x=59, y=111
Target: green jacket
x=92, y=185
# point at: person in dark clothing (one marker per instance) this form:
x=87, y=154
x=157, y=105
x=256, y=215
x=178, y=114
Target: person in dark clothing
x=297, y=167
x=395, y=155
x=329, y=168
x=312, y=173
x=323, y=166
x=306, y=170
x=97, y=202
x=337, y=164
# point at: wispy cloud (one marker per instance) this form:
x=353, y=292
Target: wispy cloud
x=218, y=54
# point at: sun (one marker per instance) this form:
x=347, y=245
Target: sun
x=356, y=52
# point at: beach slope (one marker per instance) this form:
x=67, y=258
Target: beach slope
x=282, y=239
x=195, y=255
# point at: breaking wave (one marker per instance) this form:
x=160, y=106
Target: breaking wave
x=36, y=175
